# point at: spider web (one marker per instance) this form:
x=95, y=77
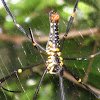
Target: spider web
x=14, y=56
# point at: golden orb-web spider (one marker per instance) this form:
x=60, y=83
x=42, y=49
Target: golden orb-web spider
x=54, y=62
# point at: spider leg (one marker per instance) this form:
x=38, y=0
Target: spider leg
x=38, y=87
x=61, y=85
x=69, y=24
x=83, y=58
x=14, y=20
x=19, y=26
x=18, y=71
x=35, y=44
x=81, y=82
x=9, y=90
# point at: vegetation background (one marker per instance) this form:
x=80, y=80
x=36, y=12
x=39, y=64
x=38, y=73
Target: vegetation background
x=17, y=51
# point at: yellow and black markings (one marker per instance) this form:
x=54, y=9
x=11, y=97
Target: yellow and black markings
x=34, y=44
x=73, y=14
x=92, y=56
x=79, y=80
x=20, y=70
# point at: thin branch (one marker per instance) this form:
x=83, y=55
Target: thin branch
x=69, y=77
x=16, y=39
x=72, y=34
x=91, y=60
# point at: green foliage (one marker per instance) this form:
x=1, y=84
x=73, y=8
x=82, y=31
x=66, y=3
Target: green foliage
x=87, y=16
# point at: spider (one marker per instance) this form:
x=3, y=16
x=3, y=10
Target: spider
x=54, y=62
